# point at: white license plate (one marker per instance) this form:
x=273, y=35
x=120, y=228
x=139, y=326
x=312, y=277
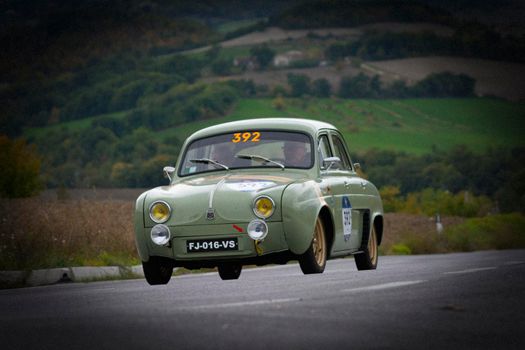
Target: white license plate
x=211, y=245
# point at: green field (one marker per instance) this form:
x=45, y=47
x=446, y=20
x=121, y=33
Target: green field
x=230, y=26
x=72, y=125
x=415, y=126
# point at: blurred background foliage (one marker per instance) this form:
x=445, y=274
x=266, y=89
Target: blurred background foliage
x=100, y=95
x=103, y=91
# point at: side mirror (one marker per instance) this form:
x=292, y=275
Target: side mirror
x=168, y=171
x=332, y=163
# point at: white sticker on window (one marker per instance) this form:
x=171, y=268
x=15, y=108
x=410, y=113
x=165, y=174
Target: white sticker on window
x=347, y=218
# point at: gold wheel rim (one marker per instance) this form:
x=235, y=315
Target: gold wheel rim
x=372, y=246
x=319, y=244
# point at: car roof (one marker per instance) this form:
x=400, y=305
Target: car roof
x=292, y=124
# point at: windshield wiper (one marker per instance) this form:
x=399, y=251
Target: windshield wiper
x=209, y=161
x=260, y=158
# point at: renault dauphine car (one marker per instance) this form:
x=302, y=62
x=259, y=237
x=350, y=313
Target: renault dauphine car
x=255, y=192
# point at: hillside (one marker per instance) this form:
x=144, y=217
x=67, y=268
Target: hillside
x=415, y=126
x=351, y=13
x=107, y=91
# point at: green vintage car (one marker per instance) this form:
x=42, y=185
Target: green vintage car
x=255, y=192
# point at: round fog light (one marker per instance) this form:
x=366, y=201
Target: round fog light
x=257, y=230
x=160, y=234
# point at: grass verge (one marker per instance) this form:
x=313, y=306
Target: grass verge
x=37, y=233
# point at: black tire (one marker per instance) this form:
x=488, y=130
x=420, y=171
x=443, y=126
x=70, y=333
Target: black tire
x=229, y=271
x=367, y=260
x=157, y=270
x=314, y=259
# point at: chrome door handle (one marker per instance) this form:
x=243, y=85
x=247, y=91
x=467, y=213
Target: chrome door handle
x=347, y=184
x=363, y=184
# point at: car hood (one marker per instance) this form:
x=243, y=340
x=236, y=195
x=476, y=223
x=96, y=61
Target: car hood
x=229, y=196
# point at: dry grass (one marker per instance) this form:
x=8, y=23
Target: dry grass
x=44, y=233
x=496, y=78
x=415, y=234
x=39, y=233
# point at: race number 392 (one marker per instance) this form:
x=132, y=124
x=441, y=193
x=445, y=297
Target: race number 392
x=254, y=136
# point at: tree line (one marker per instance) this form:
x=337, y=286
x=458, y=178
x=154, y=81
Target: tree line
x=497, y=173
x=445, y=84
x=468, y=41
x=456, y=181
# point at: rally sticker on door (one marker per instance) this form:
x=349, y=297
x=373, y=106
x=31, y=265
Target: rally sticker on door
x=347, y=218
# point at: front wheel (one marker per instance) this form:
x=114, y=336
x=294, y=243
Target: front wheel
x=157, y=270
x=314, y=259
x=229, y=271
x=367, y=260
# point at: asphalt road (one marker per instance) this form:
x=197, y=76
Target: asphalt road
x=458, y=301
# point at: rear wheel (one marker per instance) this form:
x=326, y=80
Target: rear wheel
x=314, y=259
x=368, y=259
x=230, y=271
x=157, y=270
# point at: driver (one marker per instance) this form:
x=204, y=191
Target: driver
x=295, y=154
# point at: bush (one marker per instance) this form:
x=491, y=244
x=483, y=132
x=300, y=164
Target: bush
x=188, y=68
x=299, y=83
x=492, y=232
x=355, y=87
x=263, y=54
x=126, y=97
x=401, y=249
x=221, y=67
x=321, y=88
x=445, y=84
x=20, y=170
x=91, y=101
x=304, y=63
x=279, y=103
x=245, y=88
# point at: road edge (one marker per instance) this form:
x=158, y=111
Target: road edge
x=42, y=277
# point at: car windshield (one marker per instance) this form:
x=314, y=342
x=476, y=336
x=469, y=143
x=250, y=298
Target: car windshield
x=248, y=149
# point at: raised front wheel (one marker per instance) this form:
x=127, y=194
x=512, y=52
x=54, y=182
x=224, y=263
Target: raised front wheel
x=229, y=271
x=157, y=270
x=314, y=259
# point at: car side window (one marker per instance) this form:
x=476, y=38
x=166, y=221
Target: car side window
x=324, y=150
x=340, y=151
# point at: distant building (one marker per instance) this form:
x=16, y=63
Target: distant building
x=246, y=63
x=285, y=59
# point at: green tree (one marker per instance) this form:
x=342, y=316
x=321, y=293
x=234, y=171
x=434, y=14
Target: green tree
x=20, y=170
x=321, y=88
x=263, y=54
x=299, y=83
x=445, y=84
x=355, y=87
x=221, y=67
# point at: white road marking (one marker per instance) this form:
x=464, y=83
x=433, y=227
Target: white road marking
x=383, y=286
x=514, y=262
x=470, y=270
x=241, y=303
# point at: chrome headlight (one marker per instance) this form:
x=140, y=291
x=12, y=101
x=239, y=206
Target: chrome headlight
x=257, y=230
x=160, y=234
x=263, y=207
x=159, y=212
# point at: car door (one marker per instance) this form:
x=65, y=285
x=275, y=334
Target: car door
x=347, y=189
